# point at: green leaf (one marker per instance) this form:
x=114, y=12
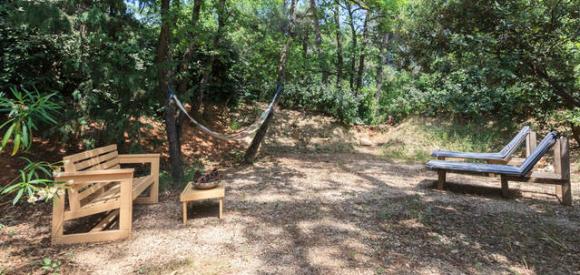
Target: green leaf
x=7, y=136
x=17, y=140
x=18, y=196
x=25, y=140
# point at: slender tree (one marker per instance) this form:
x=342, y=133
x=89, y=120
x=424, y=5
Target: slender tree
x=252, y=151
x=163, y=61
x=354, y=42
x=383, y=57
x=339, y=55
x=361, y=62
x=188, y=54
x=318, y=41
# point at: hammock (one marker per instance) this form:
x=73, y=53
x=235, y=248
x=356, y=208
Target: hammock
x=240, y=135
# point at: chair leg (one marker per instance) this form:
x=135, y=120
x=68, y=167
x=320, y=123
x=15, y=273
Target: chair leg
x=57, y=230
x=441, y=179
x=126, y=206
x=504, y=187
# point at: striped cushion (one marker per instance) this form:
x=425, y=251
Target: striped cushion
x=507, y=151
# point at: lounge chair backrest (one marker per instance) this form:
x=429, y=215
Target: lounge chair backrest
x=511, y=147
x=539, y=152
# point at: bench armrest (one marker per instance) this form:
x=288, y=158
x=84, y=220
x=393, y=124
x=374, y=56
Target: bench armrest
x=83, y=177
x=152, y=159
x=138, y=158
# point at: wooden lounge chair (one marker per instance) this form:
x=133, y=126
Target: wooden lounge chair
x=95, y=183
x=522, y=173
x=501, y=157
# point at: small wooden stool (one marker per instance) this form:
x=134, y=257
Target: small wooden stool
x=191, y=194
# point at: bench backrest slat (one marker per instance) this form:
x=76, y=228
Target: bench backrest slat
x=97, y=159
x=89, y=159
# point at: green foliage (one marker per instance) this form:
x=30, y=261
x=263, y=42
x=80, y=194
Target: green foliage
x=511, y=59
x=24, y=110
x=415, y=139
x=461, y=58
x=50, y=266
x=34, y=182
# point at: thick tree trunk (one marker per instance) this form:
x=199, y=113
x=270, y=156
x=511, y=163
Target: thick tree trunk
x=252, y=151
x=318, y=41
x=361, y=62
x=339, y=56
x=354, y=44
x=204, y=83
x=382, y=61
x=163, y=64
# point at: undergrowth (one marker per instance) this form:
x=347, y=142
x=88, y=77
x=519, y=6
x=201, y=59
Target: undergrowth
x=415, y=139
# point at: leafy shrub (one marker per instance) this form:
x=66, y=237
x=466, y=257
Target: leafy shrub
x=34, y=181
x=24, y=111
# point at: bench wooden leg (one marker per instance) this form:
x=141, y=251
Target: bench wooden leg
x=57, y=230
x=126, y=206
x=184, y=210
x=504, y=187
x=566, y=192
x=221, y=208
x=441, y=179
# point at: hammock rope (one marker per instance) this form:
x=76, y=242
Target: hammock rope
x=239, y=135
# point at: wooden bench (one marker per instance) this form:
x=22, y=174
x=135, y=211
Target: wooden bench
x=95, y=183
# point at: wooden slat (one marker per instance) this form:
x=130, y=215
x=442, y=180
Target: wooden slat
x=105, y=222
x=91, y=153
x=138, y=158
x=110, y=164
x=109, y=235
x=539, y=177
x=93, y=209
x=95, y=188
x=139, y=185
x=89, y=177
x=95, y=160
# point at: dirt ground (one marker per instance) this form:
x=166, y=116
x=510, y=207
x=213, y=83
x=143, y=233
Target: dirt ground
x=324, y=203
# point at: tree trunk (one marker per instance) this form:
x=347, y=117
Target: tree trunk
x=354, y=44
x=305, y=49
x=339, y=57
x=188, y=54
x=361, y=63
x=252, y=151
x=318, y=41
x=382, y=61
x=204, y=83
x=183, y=76
x=576, y=133
x=163, y=64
